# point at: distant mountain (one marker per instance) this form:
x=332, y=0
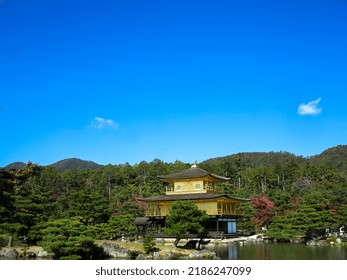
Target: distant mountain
x=75, y=164
x=62, y=165
x=15, y=165
x=256, y=159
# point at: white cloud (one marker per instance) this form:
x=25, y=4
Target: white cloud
x=100, y=123
x=310, y=108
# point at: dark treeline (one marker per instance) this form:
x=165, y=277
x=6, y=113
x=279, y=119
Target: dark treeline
x=291, y=196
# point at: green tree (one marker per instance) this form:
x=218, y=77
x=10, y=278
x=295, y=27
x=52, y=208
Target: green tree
x=312, y=220
x=67, y=239
x=342, y=216
x=51, y=180
x=292, y=170
x=16, y=215
x=281, y=201
x=132, y=209
x=185, y=217
x=90, y=205
x=246, y=223
x=264, y=178
x=281, y=228
x=33, y=204
x=148, y=243
x=7, y=205
x=116, y=227
x=74, y=179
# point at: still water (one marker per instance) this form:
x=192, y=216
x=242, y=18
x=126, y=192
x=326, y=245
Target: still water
x=279, y=251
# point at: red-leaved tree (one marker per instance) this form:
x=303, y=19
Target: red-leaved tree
x=264, y=208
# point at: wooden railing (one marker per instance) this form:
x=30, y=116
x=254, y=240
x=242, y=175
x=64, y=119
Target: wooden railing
x=210, y=212
x=219, y=212
x=155, y=213
x=205, y=188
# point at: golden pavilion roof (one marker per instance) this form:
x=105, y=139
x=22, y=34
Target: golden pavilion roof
x=193, y=172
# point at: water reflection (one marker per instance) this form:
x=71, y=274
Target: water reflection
x=279, y=251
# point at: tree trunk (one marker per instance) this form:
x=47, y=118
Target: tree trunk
x=177, y=241
x=10, y=240
x=199, y=244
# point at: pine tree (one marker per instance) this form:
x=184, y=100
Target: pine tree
x=184, y=217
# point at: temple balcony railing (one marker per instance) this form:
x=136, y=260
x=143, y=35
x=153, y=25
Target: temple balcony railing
x=156, y=213
x=210, y=212
x=194, y=187
x=220, y=212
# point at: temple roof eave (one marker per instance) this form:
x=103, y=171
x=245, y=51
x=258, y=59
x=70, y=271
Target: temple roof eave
x=203, y=196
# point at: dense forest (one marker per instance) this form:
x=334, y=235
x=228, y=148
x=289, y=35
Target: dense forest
x=291, y=196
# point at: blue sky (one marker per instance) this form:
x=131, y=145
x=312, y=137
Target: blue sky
x=127, y=81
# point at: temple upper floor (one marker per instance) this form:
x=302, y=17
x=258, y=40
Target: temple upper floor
x=193, y=180
x=193, y=186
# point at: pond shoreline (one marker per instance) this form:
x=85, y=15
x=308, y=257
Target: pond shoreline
x=164, y=248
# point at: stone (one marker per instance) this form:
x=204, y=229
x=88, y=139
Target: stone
x=296, y=240
x=311, y=243
x=167, y=254
x=114, y=251
x=42, y=254
x=156, y=255
x=322, y=243
x=160, y=241
x=202, y=255
x=30, y=255
x=9, y=253
x=144, y=257
x=316, y=243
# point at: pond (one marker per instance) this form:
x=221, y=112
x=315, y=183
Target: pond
x=278, y=251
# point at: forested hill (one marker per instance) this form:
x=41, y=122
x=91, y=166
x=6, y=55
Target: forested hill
x=254, y=159
x=15, y=165
x=75, y=164
x=62, y=165
x=335, y=158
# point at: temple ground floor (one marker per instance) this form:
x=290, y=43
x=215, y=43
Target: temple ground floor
x=216, y=226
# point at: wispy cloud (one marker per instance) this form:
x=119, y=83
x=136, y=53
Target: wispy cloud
x=100, y=123
x=310, y=108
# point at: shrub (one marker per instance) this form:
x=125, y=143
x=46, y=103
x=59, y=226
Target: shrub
x=148, y=243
